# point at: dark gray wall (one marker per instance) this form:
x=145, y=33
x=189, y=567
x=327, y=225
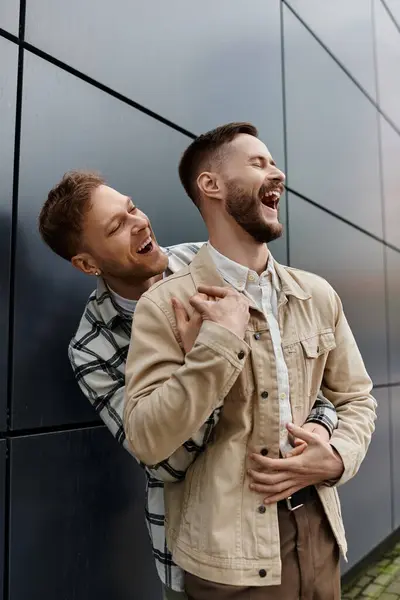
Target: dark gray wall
x=120, y=87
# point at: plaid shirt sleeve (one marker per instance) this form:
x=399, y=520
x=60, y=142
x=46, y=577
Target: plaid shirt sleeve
x=104, y=386
x=324, y=413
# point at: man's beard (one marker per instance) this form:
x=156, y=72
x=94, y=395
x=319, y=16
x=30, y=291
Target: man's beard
x=246, y=211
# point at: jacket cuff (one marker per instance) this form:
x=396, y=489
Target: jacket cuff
x=349, y=457
x=223, y=342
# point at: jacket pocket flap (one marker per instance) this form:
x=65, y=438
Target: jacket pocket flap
x=319, y=344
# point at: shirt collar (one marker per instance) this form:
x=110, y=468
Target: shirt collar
x=109, y=310
x=236, y=274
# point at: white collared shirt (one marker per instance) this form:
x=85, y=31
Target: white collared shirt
x=262, y=290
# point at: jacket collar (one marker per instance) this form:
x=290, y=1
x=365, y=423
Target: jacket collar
x=291, y=284
x=204, y=272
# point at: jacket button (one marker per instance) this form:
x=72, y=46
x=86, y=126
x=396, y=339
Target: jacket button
x=262, y=573
x=264, y=451
x=262, y=509
x=257, y=336
x=264, y=395
x=241, y=355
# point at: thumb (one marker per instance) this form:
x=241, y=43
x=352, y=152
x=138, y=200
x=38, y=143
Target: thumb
x=199, y=304
x=181, y=315
x=300, y=433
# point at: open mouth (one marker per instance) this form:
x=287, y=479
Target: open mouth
x=146, y=247
x=271, y=199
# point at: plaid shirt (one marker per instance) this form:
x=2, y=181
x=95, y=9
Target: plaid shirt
x=98, y=354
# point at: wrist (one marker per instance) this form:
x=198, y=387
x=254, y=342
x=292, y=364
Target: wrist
x=337, y=466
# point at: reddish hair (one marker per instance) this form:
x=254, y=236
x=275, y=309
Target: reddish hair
x=62, y=215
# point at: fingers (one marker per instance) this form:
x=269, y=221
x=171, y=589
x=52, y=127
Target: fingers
x=276, y=497
x=198, y=303
x=201, y=302
x=181, y=315
x=302, y=434
x=268, y=479
x=215, y=291
x=276, y=464
x=297, y=442
x=272, y=490
x=299, y=449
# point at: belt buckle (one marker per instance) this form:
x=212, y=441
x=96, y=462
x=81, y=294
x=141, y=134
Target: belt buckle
x=290, y=506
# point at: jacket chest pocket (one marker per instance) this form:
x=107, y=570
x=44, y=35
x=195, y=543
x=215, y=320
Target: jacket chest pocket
x=307, y=358
x=313, y=356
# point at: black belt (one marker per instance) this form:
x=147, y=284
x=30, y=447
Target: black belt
x=298, y=499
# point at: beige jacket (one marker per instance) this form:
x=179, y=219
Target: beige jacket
x=214, y=528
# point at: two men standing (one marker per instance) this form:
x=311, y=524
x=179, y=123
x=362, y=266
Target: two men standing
x=210, y=395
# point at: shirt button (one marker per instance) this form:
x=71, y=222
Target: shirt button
x=262, y=509
x=257, y=336
x=262, y=573
x=283, y=396
x=264, y=451
x=264, y=395
x=241, y=355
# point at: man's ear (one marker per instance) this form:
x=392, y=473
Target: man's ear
x=86, y=263
x=210, y=185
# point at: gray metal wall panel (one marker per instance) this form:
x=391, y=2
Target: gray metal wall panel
x=393, y=269
x=332, y=133
x=8, y=86
x=391, y=181
x=354, y=265
x=395, y=424
x=366, y=526
x=77, y=126
x=9, y=15
x=198, y=64
x=388, y=60
x=346, y=29
x=2, y=510
x=77, y=525
x=394, y=7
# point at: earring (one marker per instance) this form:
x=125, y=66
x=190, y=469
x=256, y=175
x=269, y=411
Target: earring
x=97, y=273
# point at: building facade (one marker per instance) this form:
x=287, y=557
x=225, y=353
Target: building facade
x=121, y=87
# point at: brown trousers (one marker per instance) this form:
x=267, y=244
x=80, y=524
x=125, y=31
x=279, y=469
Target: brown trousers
x=310, y=562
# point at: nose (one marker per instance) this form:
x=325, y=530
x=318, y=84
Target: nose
x=278, y=176
x=139, y=223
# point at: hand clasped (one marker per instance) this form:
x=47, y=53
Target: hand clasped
x=279, y=478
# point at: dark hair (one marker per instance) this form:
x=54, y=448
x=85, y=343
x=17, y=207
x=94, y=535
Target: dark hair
x=62, y=215
x=204, y=150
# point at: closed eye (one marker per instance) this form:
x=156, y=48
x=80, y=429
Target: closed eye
x=131, y=208
x=115, y=228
